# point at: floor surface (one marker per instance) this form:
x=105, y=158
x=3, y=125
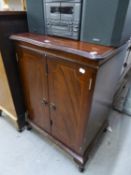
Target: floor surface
x=28, y=154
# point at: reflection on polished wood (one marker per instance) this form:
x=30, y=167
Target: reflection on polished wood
x=89, y=50
x=6, y=102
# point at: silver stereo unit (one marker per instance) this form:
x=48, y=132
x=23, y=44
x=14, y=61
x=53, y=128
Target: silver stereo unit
x=62, y=18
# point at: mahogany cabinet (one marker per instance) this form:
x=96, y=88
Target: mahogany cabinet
x=68, y=87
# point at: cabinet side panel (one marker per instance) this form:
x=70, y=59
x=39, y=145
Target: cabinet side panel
x=106, y=83
x=9, y=24
x=6, y=102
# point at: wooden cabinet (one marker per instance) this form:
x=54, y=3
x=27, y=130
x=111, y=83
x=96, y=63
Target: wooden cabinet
x=11, y=97
x=68, y=94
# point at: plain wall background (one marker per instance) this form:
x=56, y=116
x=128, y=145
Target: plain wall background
x=13, y=4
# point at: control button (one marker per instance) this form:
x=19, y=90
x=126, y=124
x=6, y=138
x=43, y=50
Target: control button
x=76, y=29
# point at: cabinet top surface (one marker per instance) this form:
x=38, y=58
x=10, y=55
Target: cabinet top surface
x=91, y=51
x=10, y=13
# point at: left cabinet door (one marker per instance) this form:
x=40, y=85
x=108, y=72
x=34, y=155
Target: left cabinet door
x=33, y=73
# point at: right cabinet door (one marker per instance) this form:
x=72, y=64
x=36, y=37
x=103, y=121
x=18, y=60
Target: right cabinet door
x=70, y=91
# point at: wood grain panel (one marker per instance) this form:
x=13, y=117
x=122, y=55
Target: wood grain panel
x=70, y=94
x=34, y=79
x=6, y=102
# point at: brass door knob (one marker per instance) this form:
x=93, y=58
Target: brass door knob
x=53, y=106
x=44, y=102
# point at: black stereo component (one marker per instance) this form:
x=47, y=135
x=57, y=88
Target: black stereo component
x=35, y=16
x=106, y=22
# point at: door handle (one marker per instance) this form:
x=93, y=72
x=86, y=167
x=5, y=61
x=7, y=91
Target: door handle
x=53, y=106
x=90, y=84
x=44, y=101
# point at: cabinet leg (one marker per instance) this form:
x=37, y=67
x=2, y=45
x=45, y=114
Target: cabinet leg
x=0, y=113
x=21, y=122
x=28, y=126
x=81, y=168
x=20, y=130
x=105, y=130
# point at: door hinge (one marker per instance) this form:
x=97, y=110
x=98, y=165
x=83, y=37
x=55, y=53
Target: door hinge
x=46, y=68
x=17, y=58
x=51, y=122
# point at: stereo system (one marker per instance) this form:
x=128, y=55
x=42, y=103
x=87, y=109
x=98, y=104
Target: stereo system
x=63, y=18
x=105, y=22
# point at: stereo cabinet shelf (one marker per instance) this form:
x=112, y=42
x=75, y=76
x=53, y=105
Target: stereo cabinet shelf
x=68, y=95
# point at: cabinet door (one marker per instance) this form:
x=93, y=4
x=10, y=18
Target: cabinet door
x=34, y=78
x=70, y=91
